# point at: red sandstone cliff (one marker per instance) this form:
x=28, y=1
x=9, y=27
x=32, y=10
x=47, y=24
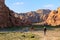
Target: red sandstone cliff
x=54, y=18
x=8, y=17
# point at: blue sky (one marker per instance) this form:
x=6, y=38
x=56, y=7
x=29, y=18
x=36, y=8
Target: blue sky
x=31, y=5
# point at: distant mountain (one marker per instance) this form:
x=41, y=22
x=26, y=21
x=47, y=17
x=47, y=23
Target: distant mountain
x=36, y=16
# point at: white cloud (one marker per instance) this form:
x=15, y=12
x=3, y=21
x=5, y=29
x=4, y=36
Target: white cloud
x=18, y=3
x=48, y=5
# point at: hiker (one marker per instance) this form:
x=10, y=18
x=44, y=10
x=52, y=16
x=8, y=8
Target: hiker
x=45, y=30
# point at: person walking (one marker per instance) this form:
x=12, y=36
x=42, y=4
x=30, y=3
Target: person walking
x=45, y=30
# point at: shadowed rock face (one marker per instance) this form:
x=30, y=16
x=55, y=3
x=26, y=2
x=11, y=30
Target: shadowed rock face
x=4, y=14
x=7, y=17
x=2, y=1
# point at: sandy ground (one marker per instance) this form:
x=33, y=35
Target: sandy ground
x=50, y=35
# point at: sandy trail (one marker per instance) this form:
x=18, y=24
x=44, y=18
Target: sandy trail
x=50, y=35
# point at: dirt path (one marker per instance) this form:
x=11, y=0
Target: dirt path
x=51, y=35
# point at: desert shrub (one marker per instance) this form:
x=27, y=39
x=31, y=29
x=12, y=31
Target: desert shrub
x=23, y=36
x=32, y=36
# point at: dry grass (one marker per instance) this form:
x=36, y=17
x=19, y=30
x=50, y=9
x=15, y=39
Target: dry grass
x=38, y=35
x=17, y=36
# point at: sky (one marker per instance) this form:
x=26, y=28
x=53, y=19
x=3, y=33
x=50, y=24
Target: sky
x=22, y=6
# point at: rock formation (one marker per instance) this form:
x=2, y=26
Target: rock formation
x=54, y=18
x=36, y=16
x=9, y=18
x=4, y=14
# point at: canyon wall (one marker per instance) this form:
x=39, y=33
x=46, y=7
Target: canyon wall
x=9, y=18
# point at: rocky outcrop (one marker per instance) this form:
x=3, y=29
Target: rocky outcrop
x=9, y=18
x=4, y=15
x=54, y=18
x=36, y=16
